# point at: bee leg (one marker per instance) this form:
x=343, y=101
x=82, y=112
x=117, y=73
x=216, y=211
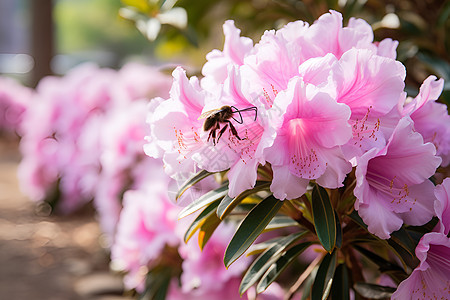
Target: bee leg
x=222, y=131
x=234, y=131
x=213, y=134
x=239, y=112
x=251, y=108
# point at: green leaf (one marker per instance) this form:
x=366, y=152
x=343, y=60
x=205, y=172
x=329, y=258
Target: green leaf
x=282, y=262
x=404, y=255
x=324, y=277
x=200, y=220
x=204, y=200
x=308, y=284
x=263, y=262
x=324, y=218
x=383, y=264
x=251, y=227
x=263, y=246
x=228, y=203
x=373, y=291
x=403, y=238
x=156, y=284
x=357, y=219
x=340, y=288
x=191, y=181
x=280, y=222
x=207, y=229
x=338, y=231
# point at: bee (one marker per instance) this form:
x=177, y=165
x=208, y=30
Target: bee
x=216, y=117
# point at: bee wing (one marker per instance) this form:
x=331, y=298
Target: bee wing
x=208, y=113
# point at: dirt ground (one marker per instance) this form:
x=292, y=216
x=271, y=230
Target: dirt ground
x=48, y=257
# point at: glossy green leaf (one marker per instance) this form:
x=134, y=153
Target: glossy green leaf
x=280, y=222
x=324, y=277
x=373, y=291
x=204, y=200
x=200, y=220
x=265, y=260
x=280, y=264
x=340, y=288
x=251, y=227
x=228, y=203
x=263, y=246
x=191, y=181
x=207, y=229
x=324, y=218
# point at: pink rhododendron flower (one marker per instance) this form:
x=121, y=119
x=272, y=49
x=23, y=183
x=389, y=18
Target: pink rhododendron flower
x=139, y=81
x=147, y=224
x=62, y=141
x=431, y=279
x=243, y=155
x=174, y=125
x=52, y=127
x=442, y=206
x=235, y=49
x=121, y=139
x=307, y=143
x=277, y=57
x=431, y=118
x=177, y=128
x=229, y=291
x=392, y=183
x=14, y=100
x=203, y=270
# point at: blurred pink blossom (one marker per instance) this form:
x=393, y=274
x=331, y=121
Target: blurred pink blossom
x=14, y=100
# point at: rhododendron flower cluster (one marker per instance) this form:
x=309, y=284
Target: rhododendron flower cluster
x=326, y=97
x=315, y=116
x=61, y=144
x=14, y=100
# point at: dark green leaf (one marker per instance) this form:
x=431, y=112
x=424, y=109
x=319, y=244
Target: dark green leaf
x=282, y=262
x=191, y=181
x=156, y=284
x=404, y=255
x=280, y=222
x=383, y=264
x=373, y=291
x=355, y=217
x=338, y=231
x=228, y=203
x=340, y=288
x=251, y=227
x=207, y=229
x=403, y=238
x=324, y=220
x=263, y=262
x=324, y=277
x=263, y=246
x=204, y=200
x=200, y=220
